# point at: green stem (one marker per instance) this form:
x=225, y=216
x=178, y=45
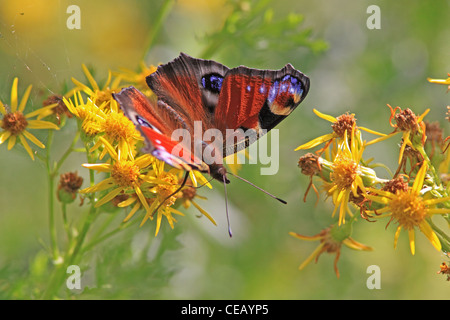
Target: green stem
x=436, y=178
x=67, y=153
x=162, y=15
x=65, y=221
x=75, y=244
x=99, y=239
x=59, y=273
x=440, y=232
x=103, y=227
x=51, y=197
x=73, y=254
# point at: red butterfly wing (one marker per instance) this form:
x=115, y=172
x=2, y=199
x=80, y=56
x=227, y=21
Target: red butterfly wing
x=190, y=90
x=156, y=122
x=257, y=100
x=190, y=87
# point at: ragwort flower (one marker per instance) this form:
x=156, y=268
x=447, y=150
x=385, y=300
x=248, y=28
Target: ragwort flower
x=125, y=176
x=99, y=96
x=331, y=240
x=348, y=177
x=410, y=209
x=137, y=79
x=114, y=126
x=341, y=125
x=14, y=123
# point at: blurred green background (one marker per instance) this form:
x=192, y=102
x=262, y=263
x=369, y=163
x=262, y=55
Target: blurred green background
x=352, y=68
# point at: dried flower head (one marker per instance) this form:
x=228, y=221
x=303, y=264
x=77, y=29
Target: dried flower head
x=331, y=240
x=69, y=184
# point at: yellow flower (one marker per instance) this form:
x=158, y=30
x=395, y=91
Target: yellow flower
x=165, y=191
x=347, y=176
x=138, y=79
x=340, y=125
x=14, y=123
x=125, y=176
x=98, y=95
x=189, y=193
x=118, y=131
x=410, y=209
x=331, y=240
x=114, y=126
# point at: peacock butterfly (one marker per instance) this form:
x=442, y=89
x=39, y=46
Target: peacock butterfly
x=202, y=94
x=193, y=91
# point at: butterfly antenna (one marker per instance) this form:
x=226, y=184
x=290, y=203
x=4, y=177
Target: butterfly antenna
x=173, y=193
x=226, y=205
x=253, y=185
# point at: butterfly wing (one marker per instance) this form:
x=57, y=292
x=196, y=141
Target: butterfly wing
x=190, y=90
x=255, y=101
x=191, y=87
x=156, y=121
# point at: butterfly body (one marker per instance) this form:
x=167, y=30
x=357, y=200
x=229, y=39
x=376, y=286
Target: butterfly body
x=195, y=94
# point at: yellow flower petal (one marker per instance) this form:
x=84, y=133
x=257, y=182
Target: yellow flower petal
x=420, y=118
x=312, y=256
x=355, y=245
x=110, y=148
x=439, y=81
x=26, y=146
x=143, y=199
x=418, y=181
x=406, y=141
x=2, y=108
x=133, y=211
x=307, y=238
x=412, y=242
x=158, y=222
x=372, y=131
x=102, y=167
x=149, y=210
x=144, y=161
x=381, y=139
x=438, y=210
x=40, y=124
x=111, y=195
x=176, y=211
x=83, y=87
x=69, y=104
x=324, y=116
x=4, y=136
x=90, y=77
x=33, y=139
x=11, y=142
x=316, y=142
x=45, y=111
x=23, y=102
x=127, y=202
x=14, y=95
x=201, y=178
x=437, y=200
x=206, y=214
x=103, y=185
x=429, y=233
